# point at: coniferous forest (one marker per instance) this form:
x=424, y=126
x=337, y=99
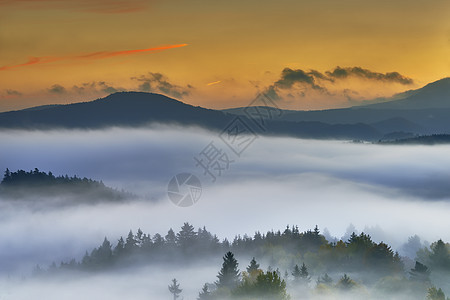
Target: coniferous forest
x=287, y=264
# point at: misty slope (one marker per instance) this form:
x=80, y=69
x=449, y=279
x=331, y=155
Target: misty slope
x=433, y=95
x=421, y=111
x=132, y=109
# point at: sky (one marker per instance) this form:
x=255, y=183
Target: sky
x=220, y=54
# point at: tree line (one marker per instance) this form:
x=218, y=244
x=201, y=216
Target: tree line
x=301, y=256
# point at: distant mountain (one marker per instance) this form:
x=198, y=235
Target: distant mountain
x=397, y=123
x=422, y=111
x=131, y=109
x=119, y=109
x=416, y=112
x=433, y=95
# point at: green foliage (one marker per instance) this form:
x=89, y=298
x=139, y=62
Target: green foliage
x=435, y=294
x=268, y=285
x=325, y=279
x=440, y=255
x=228, y=277
x=254, y=266
x=345, y=283
x=21, y=184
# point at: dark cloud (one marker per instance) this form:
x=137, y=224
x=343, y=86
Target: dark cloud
x=13, y=92
x=289, y=77
x=312, y=79
x=96, y=86
x=342, y=73
x=295, y=77
x=57, y=89
x=157, y=82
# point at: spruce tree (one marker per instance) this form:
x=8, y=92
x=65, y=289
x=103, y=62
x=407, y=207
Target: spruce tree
x=174, y=289
x=304, y=274
x=228, y=276
x=254, y=266
x=296, y=273
x=205, y=294
x=186, y=236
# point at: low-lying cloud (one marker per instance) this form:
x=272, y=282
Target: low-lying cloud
x=391, y=192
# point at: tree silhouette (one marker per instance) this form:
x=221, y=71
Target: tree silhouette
x=204, y=294
x=174, y=289
x=268, y=285
x=228, y=276
x=325, y=279
x=440, y=256
x=254, y=266
x=435, y=294
x=346, y=283
x=296, y=273
x=304, y=274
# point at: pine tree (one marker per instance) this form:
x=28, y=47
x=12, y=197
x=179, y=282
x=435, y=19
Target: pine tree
x=253, y=267
x=104, y=253
x=186, y=236
x=435, y=294
x=171, y=238
x=304, y=274
x=174, y=289
x=7, y=176
x=325, y=279
x=346, y=283
x=130, y=243
x=205, y=294
x=118, y=250
x=228, y=276
x=440, y=256
x=296, y=273
x=267, y=285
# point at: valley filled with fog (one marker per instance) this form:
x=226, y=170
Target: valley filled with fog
x=390, y=192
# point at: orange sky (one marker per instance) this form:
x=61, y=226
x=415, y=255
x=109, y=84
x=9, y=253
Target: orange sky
x=54, y=51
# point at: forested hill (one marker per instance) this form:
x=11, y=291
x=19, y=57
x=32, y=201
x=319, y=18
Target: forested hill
x=36, y=184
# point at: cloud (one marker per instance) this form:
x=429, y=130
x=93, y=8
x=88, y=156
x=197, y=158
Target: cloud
x=342, y=73
x=88, y=56
x=298, y=82
x=57, y=89
x=96, y=86
x=295, y=79
x=10, y=92
x=94, y=6
x=341, y=182
x=290, y=77
x=157, y=82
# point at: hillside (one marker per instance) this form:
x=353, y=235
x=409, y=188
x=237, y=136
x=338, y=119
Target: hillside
x=36, y=185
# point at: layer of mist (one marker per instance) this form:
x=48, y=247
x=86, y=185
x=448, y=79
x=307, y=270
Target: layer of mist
x=389, y=192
